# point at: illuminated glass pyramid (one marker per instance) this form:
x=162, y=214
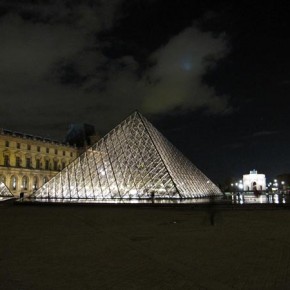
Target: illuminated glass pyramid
x=4, y=191
x=133, y=160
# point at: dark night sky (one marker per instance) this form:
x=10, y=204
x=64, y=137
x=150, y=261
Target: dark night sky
x=212, y=77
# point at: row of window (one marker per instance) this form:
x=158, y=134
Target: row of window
x=24, y=183
x=47, y=165
x=7, y=144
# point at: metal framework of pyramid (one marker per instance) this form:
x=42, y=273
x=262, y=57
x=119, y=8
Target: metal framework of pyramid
x=4, y=191
x=134, y=160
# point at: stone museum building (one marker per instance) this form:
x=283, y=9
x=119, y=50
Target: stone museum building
x=27, y=162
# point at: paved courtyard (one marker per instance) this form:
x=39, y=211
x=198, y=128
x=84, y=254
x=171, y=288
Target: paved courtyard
x=79, y=247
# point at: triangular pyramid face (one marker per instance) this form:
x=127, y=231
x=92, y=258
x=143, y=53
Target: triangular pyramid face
x=4, y=191
x=133, y=160
x=189, y=180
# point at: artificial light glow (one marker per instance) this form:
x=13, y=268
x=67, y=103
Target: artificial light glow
x=133, y=191
x=117, y=174
x=4, y=191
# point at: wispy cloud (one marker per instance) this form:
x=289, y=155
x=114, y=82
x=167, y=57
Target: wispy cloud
x=264, y=133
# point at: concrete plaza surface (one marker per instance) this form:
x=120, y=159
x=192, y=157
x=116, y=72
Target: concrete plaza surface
x=87, y=247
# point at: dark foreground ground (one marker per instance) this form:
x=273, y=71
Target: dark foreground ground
x=79, y=247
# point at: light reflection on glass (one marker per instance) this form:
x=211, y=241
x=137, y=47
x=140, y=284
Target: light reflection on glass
x=121, y=201
x=4, y=191
x=240, y=199
x=133, y=161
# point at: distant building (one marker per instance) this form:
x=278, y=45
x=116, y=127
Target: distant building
x=254, y=181
x=27, y=161
x=81, y=135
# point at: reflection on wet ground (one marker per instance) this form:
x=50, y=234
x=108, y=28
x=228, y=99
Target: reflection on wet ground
x=242, y=198
x=228, y=199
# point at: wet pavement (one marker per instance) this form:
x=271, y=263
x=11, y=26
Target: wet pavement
x=88, y=247
x=261, y=199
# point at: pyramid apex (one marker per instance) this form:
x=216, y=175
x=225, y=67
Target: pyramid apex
x=137, y=112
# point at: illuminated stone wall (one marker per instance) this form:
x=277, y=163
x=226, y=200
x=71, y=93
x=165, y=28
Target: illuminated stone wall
x=254, y=180
x=27, y=162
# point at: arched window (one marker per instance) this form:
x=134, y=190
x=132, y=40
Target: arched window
x=13, y=182
x=45, y=179
x=24, y=182
x=35, y=183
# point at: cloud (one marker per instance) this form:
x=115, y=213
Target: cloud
x=29, y=50
x=264, y=133
x=53, y=70
x=175, y=79
x=89, y=15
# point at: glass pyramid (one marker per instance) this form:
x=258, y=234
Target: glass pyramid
x=4, y=191
x=133, y=160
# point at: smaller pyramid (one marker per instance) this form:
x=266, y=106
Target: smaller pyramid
x=4, y=191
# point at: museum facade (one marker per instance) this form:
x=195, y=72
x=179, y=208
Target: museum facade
x=27, y=162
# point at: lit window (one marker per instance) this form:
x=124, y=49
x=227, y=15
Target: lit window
x=35, y=183
x=14, y=182
x=24, y=182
